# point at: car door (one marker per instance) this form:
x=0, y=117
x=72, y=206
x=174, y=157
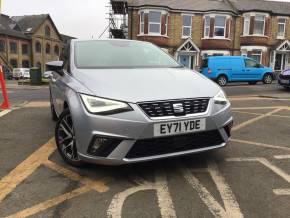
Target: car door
x=253, y=70
x=238, y=69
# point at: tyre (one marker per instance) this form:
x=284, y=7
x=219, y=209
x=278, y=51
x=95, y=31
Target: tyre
x=65, y=140
x=222, y=80
x=52, y=110
x=253, y=83
x=267, y=79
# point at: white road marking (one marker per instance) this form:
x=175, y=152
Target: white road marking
x=232, y=208
x=3, y=113
x=164, y=199
x=261, y=144
x=281, y=157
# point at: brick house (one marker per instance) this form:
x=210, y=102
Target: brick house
x=192, y=29
x=28, y=41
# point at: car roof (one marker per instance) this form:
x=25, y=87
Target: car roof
x=105, y=40
x=226, y=57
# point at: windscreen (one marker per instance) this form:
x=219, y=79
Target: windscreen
x=120, y=54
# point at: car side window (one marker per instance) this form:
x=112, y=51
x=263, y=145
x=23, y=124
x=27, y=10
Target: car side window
x=251, y=64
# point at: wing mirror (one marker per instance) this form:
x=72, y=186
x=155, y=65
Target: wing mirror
x=56, y=66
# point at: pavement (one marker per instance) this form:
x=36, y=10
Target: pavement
x=248, y=178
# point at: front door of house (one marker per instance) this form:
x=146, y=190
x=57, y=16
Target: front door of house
x=281, y=61
x=187, y=61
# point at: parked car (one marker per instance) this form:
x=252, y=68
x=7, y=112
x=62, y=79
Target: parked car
x=284, y=78
x=21, y=73
x=128, y=101
x=7, y=73
x=224, y=69
x=47, y=74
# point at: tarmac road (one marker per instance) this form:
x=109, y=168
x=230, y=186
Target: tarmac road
x=248, y=178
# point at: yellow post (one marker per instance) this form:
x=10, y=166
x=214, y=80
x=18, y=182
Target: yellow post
x=0, y=6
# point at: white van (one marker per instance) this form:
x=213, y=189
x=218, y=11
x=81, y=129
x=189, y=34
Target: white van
x=21, y=73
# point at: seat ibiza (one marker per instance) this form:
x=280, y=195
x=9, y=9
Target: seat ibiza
x=121, y=101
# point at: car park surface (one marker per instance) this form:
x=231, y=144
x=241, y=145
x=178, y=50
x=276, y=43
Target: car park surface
x=248, y=178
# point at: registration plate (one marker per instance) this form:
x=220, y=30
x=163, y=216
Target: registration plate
x=284, y=81
x=179, y=127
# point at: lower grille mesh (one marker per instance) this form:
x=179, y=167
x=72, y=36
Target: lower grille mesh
x=172, y=144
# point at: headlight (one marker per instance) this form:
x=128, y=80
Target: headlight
x=221, y=99
x=104, y=106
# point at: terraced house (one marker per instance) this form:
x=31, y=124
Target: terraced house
x=192, y=29
x=28, y=41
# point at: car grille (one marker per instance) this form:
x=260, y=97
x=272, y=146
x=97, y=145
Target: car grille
x=284, y=76
x=165, y=108
x=173, y=144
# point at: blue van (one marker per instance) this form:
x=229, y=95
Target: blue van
x=224, y=69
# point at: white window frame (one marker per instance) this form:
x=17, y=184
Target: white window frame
x=264, y=20
x=261, y=55
x=284, y=29
x=166, y=24
x=247, y=19
x=158, y=23
x=142, y=14
x=224, y=27
x=190, y=27
x=206, y=26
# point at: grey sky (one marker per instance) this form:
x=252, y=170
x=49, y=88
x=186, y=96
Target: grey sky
x=79, y=18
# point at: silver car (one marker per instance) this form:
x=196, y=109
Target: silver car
x=122, y=101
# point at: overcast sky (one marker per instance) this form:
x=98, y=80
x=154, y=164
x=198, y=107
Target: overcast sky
x=78, y=18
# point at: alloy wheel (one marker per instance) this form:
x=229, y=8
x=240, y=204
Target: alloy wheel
x=268, y=79
x=222, y=81
x=66, y=138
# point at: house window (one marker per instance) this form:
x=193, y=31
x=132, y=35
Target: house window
x=13, y=47
x=247, y=22
x=56, y=50
x=259, y=24
x=186, y=29
x=13, y=63
x=47, y=31
x=2, y=46
x=25, y=64
x=24, y=49
x=256, y=55
x=37, y=47
x=219, y=26
x=155, y=22
x=206, y=26
x=47, y=48
x=142, y=25
x=281, y=27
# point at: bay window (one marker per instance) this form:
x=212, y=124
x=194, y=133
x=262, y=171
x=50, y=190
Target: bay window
x=259, y=24
x=206, y=26
x=247, y=22
x=281, y=28
x=256, y=55
x=220, y=26
x=154, y=19
x=142, y=24
x=186, y=27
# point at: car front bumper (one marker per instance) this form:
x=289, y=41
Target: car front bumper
x=134, y=127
